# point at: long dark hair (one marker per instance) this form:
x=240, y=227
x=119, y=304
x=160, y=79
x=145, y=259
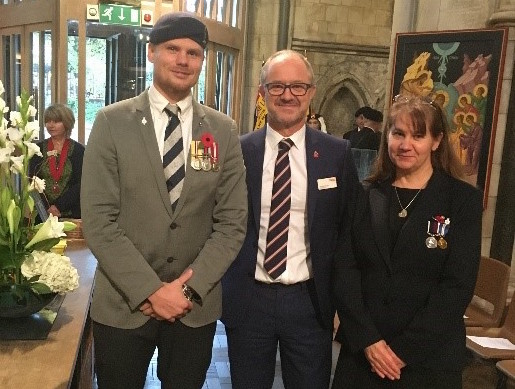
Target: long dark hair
x=425, y=116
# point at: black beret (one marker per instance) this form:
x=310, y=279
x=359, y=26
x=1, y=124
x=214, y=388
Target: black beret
x=361, y=111
x=373, y=114
x=177, y=25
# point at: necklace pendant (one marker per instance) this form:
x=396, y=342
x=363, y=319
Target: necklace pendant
x=403, y=213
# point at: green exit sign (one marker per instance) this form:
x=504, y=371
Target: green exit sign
x=119, y=14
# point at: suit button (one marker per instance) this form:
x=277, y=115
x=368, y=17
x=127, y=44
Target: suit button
x=170, y=259
x=173, y=226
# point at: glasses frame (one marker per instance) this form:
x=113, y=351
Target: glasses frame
x=305, y=87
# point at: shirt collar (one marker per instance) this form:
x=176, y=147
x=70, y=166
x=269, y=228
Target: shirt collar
x=160, y=102
x=273, y=137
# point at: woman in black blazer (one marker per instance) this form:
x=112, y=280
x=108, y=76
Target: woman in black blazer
x=404, y=280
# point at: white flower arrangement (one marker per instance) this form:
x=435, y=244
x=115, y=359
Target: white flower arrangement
x=26, y=265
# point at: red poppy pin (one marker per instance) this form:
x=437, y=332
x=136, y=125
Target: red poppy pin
x=207, y=140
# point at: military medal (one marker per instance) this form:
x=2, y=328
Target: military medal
x=214, y=157
x=206, y=163
x=431, y=242
x=437, y=228
x=194, y=155
x=442, y=243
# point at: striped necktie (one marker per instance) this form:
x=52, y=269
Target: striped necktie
x=277, y=235
x=173, y=156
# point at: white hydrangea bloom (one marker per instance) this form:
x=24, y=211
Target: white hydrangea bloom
x=54, y=270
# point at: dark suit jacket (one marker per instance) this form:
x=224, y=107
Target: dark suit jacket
x=129, y=224
x=411, y=296
x=363, y=139
x=326, y=157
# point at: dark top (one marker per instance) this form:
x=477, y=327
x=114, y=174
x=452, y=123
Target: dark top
x=66, y=194
x=395, y=287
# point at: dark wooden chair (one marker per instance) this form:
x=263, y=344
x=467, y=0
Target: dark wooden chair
x=489, y=302
x=506, y=368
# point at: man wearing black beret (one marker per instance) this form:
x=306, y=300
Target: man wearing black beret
x=165, y=209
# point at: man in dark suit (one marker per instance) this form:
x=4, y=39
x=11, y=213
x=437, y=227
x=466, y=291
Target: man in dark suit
x=374, y=119
x=280, y=294
x=362, y=137
x=161, y=253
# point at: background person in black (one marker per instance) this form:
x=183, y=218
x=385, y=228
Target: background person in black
x=61, y=164
x=374, y=119
x=361, y=137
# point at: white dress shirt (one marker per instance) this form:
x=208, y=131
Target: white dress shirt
x=160, y=118
x=298, y=263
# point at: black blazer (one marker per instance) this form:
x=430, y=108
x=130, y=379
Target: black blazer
x=326, y=156
x=411, y=296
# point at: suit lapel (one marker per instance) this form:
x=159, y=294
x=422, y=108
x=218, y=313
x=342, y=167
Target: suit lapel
x=379, y=207
x=146, y=128
x=254, y=163
x=313, y=170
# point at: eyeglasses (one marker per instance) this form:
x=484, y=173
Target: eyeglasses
x=296, y=89
x=423, y=99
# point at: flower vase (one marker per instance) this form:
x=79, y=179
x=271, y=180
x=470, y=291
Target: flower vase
x=17, y=301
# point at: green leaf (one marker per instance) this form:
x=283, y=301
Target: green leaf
x=40, y=288
x=45, y=245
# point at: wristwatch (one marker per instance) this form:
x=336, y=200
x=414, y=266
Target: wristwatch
x=191, y=295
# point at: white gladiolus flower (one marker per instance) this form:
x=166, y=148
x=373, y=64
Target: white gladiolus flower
x=38, y=184
x=15, y=118
x=32, y=110
x=17, y=164
x=16, y=136
x=55, y=271
x=31, y=130
x=32, y=149
x=5, y=153
x=2, y=90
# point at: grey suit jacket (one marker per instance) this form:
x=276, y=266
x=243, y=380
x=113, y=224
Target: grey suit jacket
x=129, y=224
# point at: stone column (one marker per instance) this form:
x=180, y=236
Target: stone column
x=502, y=243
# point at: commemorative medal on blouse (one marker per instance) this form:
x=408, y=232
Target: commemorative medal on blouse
x=431, y=242
x=194, y=155
x=442, y=243
x=437, y=228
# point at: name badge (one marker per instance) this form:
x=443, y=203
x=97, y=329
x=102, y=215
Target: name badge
x=326, y=183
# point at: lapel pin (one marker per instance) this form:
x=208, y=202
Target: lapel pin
x=144, y=121
x=315, y=154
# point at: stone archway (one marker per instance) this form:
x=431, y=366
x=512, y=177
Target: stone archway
x=340, y=102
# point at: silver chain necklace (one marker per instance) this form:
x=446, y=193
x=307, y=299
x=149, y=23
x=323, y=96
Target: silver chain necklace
x=404, y=210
